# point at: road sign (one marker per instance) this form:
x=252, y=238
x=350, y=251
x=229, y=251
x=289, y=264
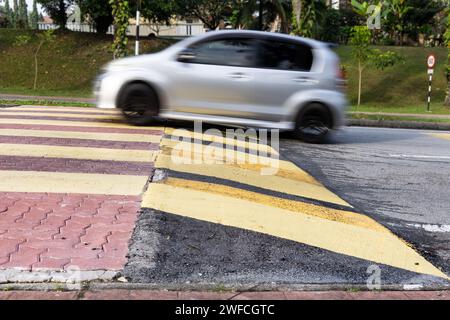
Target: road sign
x=431, y=61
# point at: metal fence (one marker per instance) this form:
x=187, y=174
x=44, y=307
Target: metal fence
x=176, y=30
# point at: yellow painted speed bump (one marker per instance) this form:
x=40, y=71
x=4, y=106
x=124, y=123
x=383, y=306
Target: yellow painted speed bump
x=372, y=244
x=341, y=231
x=305, y=187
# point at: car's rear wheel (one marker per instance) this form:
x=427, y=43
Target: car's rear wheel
x=139, y=104
x=313, y=124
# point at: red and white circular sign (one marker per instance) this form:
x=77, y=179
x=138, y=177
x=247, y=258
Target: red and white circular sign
x=431, y=61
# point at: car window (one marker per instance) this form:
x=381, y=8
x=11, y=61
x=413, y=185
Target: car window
x=285, y=55
x=226, y=52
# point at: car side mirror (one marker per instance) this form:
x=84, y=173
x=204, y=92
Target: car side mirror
x=186, y=56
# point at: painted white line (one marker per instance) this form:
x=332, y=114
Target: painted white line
x=415, y=156
x=432, y=227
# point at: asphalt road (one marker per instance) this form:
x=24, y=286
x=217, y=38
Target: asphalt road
x=398, y=177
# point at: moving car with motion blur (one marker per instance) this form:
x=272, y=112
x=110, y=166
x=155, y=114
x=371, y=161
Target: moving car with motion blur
x=244, y=78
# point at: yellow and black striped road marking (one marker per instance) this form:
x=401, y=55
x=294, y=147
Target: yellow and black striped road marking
x=445, y=136
x=289, y=204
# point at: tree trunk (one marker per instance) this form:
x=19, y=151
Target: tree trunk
x=297, y=9
x=36, y=64
x=447, y=98
x=359, y=83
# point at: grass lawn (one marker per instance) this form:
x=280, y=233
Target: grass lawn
x=398, y=118
x=435, y=108
x=68, y=66
x=401, y=87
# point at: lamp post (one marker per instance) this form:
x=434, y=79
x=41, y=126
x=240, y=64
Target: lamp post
x=138, y=22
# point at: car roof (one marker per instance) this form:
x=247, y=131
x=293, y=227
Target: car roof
x=252, y=34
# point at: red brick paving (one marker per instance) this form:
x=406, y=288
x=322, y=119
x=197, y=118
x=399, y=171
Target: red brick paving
x=16, y=163
x=123, y=294
x=43, y=231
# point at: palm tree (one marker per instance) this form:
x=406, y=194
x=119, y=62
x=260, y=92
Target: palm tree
x=297, y=13
x=268, y=12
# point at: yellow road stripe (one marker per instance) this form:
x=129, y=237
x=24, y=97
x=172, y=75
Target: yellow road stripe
x=254, y=178
x=55, y=182
x=83, y=153
x=372, y=245
x=445, y=136
x=67, y=109
x=295, y=206
x=188, y=135
x=218, y=155
x=126, y=137
x=75, y=124
x=60, y=115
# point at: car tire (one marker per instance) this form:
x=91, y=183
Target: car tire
x=139, y=104
x=313, y=124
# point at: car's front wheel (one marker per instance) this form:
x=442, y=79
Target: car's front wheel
x=313, y=124
x=139, y=104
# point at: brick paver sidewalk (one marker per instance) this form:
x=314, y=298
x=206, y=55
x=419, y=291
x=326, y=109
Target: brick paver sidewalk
x=71, y=181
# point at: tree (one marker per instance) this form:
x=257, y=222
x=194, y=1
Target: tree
x=365, y=56
x=15, y=15
x=23, y=15
x=398, y=10
x=57, y=9
x=447, y=42
x=8, y=15
x=243, y=15
x=311, y=18
x=296, y=15
x=121, y=13
x=210, y=12
x=44, y=38
x=420, y=19
x=34, y=16
x=97, y=11
x=158, y=12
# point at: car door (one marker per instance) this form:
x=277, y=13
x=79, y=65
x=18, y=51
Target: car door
x=217, y=79
x=283, y=69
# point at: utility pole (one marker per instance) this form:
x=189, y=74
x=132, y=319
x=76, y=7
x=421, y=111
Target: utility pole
x=138, y=22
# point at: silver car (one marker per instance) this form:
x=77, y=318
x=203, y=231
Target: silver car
x=244, y=78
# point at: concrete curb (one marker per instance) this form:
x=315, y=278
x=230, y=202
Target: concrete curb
x=398, y=124
x=214, y=287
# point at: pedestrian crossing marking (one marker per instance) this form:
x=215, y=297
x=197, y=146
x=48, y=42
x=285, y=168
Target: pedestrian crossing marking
x=85, y=153
x=82, y=183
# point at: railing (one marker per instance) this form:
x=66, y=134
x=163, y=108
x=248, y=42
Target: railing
x=180, y=29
